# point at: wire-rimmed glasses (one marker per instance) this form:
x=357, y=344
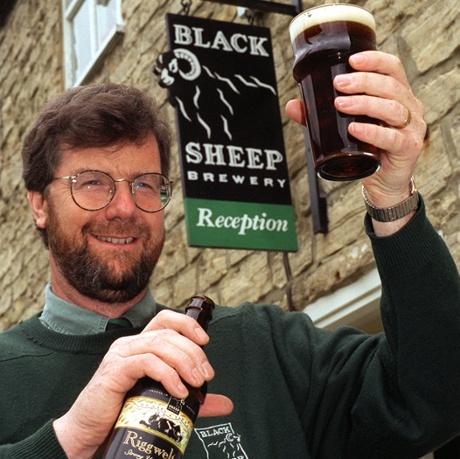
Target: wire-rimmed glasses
x=93, y=190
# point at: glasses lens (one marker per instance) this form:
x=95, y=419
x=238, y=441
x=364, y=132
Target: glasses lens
x=92, y=190
x=152, y=192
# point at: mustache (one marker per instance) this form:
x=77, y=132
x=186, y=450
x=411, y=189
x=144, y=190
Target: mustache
x=129, y=228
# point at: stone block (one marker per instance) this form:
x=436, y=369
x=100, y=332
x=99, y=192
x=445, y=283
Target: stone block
x=439, y=94
x=439, y=21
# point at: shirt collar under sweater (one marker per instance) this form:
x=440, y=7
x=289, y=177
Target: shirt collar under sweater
x=63, y=317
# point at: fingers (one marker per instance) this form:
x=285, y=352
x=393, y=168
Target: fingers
x=382, y=63
x=390, y=112
x=186, y=326
x=168, y=355
x=372, y=84
x=295, y=109
x=216, y=405
x=380, y=89
x=378, y=96
x=405, y=149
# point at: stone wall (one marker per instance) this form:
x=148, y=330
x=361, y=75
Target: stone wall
x=421, y=32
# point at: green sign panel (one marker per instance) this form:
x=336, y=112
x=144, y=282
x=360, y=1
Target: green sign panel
x=240, y=225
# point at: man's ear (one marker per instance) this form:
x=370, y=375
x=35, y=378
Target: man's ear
x=39, y=208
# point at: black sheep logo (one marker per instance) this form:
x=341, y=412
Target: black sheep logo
x=193, y=87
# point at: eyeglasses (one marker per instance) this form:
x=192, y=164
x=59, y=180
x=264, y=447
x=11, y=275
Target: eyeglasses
x=94, y=190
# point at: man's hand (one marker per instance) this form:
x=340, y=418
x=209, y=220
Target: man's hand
x=168, y=350
x=379, y=88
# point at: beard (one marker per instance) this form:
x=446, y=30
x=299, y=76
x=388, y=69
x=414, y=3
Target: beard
x=98, y=277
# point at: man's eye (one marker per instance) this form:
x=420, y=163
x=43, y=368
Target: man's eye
x=90, y=183
x=144, y=186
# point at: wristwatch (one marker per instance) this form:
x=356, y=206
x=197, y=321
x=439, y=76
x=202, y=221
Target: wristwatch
x=390, y=214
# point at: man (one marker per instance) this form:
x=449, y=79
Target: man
x=95, y=167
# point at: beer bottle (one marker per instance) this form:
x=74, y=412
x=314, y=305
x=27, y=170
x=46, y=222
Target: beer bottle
x=152, y=423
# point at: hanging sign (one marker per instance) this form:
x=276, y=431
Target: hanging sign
x=221, y=80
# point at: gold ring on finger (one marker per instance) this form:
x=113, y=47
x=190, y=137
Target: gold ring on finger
x=408, y=119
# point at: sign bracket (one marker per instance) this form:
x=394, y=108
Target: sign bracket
x=318, y=203
x=266, y=6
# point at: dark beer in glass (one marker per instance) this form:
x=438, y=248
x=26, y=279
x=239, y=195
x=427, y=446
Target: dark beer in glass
x=323, y=38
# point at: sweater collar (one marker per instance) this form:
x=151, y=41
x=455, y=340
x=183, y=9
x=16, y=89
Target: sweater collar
x=63, y=317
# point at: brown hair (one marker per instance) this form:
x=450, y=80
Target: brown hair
x=90, y=116
x=97, y=115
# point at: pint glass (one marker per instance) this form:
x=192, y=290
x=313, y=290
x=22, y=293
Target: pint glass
x=323, y=38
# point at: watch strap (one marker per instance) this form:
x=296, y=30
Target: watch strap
x=390, y=214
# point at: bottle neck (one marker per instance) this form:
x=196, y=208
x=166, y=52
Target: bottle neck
x=200, y=308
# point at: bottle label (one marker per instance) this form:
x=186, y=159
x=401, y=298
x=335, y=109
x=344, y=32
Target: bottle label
x=164, y=417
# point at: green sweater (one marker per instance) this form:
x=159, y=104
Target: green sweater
x=298, y=391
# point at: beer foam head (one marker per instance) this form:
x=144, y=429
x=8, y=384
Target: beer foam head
x=330, y=13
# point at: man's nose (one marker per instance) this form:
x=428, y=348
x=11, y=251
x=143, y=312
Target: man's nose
x=122, y=204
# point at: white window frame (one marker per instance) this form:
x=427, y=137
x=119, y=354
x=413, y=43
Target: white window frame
x=353, y=305
x=97, y=52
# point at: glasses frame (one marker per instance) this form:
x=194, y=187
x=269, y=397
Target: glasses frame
x=73, y=180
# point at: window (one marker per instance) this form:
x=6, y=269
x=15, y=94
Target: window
x=90, y=29
x=357, y=304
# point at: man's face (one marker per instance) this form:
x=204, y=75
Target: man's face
x=106, y=255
